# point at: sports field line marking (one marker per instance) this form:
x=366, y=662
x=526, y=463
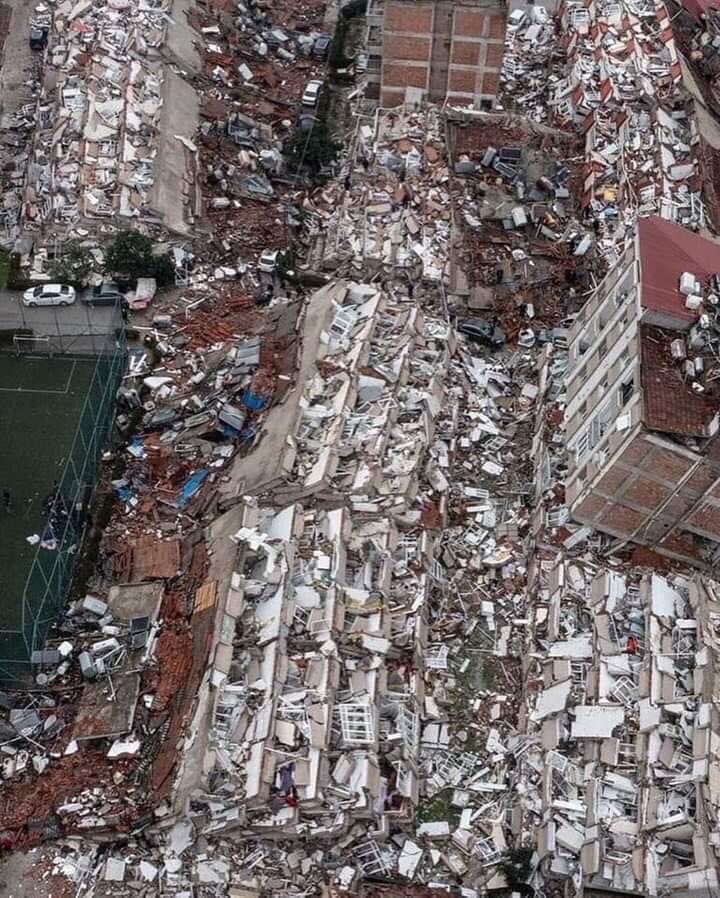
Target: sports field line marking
x=62, y=392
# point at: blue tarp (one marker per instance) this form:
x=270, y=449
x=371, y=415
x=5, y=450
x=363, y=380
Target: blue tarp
x=253, y=402
x=247, y=434
x=190, y=487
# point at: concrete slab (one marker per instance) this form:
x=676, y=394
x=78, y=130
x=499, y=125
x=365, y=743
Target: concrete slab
x=101, y=718
x=180, y=43
x=174, y=167
x=17, y=59
x=136, y=600
x=24, y=875
x=263, y=467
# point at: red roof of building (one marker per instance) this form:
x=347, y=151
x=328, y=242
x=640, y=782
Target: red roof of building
x=669, y=403
x=666, y=251
x=700, y=8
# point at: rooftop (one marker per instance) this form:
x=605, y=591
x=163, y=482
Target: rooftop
x=699, y=8
x=666, y=252
x=669, y=403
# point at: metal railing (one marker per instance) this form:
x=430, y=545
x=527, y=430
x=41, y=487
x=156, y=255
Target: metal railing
x=52, y=566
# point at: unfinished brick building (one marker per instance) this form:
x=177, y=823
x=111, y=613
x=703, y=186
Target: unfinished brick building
x=643, y=399
x=437, y=50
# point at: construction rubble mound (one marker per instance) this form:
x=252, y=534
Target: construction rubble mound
x=344, y=635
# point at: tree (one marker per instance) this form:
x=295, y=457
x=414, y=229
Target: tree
x=314, y=148
x=354, y=9
x=74, y=264
x=164, y=269
x=131, y=255
x=516, y=867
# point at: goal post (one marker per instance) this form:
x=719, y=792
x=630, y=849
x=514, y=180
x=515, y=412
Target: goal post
x=32, y=345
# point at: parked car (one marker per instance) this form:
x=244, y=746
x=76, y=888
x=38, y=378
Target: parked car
x=482, y=331
x=268, y=261
x=321, y=47
x=516, y=18
x=143, y=295
x=49, y=295
x=312, y=93
x=272, y=259
x=38, y=37
x=104, y=295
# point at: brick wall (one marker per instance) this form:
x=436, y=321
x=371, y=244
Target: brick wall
x=477, y=23
x=476, y=55
x=414, y=18
x=404, y=76
x=464, y=53
x=399, y=46
x=494, y=56
x=462, y=81
x=476, y=48
x=641, y=496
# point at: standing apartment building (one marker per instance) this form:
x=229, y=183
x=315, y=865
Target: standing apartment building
x=435, y=50
x=643, y=398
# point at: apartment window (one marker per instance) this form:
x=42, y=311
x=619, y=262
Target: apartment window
x=620, y=297
x=582, y=408
x=602, y=350
x=374, y=34
x=582, y=473
x=583, y=345
x=374, y=64
x=582, y=445
x=593, y=433
x=626, y=390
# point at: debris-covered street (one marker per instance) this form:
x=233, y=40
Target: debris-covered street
x=399, y=574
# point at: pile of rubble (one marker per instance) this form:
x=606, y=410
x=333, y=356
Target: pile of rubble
x=622, y=762
x=343, y=630
x=395, y=216
x=617, y=75
x=93, y=153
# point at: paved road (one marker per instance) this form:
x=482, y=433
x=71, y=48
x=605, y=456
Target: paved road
x=54, y=320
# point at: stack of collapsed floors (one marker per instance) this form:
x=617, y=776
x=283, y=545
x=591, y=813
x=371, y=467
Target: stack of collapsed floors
x=329, y=613
x=622, y=783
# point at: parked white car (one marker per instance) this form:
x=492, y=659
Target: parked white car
x=312, y=93
x=268, y=261
x=49, y=295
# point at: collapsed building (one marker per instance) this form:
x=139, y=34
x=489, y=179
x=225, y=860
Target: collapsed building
x=367, y=641
x=642, y=414
x=620, y=781
x=113, y=124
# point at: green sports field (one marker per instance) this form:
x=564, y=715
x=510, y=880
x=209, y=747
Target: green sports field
x=41, y=401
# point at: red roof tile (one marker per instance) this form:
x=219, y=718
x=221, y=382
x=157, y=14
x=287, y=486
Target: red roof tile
x=700, y=8
x=669, y=405
x=666, y=251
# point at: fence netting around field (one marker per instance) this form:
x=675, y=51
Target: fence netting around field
x=56, y=554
